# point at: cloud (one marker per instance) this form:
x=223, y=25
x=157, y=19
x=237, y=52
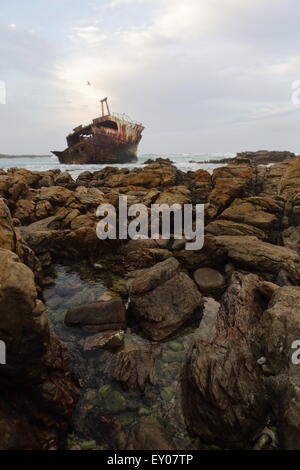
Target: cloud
x=197, y=73
x=88, y=34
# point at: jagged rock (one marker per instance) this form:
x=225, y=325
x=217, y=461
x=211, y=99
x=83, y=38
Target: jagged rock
x=36, y=363
x=224, y=398
x=247, y=376
x=64, y=179
x=154, y=175
x=134, y=365
x=162, y=298
x=260, y=212
x=290, y=182
x=278, y=329
x=268, y=179
x=57, y=195
x=98, y=316
x=89, y=197
x=234, y=180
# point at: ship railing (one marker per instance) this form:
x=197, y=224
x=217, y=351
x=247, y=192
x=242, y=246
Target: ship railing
x=126, y=118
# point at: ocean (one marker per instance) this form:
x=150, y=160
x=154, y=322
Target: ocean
x=184, y=162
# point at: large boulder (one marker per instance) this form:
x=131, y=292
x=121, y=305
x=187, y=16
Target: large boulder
x=224, y=398
x=35, y=362
x=277, y=331
x=250, y=252
x=163, y=298
x=260, y=212
x=246, y=380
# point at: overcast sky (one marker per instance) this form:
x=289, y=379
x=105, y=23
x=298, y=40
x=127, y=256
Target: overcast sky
x=202, y=75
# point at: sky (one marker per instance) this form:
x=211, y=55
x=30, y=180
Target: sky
x=203, y=76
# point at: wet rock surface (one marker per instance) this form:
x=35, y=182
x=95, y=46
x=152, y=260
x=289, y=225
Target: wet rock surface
x=36, y=362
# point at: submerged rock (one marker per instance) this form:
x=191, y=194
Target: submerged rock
x=98, y=316
x=106, y=340
x=148, y=434
x=134, y=365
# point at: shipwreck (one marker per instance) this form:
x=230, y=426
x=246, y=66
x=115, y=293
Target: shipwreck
x=111, y=138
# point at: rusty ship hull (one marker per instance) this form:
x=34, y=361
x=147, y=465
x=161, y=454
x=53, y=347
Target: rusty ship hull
x=108, y=139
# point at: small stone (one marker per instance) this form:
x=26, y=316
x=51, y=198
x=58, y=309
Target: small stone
x=98, y=266
x=106, y=340
x=209, y=281
x=261, y=361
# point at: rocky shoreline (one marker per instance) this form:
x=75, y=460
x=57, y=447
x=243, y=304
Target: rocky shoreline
x=238, y=297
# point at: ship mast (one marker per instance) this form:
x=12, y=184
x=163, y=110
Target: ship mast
x=102, y=106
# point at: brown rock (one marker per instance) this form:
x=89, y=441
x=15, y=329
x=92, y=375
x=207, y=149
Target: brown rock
x=106, y=340
x=148, y=434
x=163, y=299
x=36, y=363
x=57, y=195
x=209, y=281
x=228, y=227
x=134, y=365
x=234, y=180
x=99, y=316
x=260, y=212
x=224, y=397
x=263, y=257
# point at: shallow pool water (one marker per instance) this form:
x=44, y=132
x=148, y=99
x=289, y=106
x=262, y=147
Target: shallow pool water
x=106, y=412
